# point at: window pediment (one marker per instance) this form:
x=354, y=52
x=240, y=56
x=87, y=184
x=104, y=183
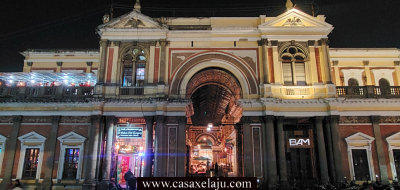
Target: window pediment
x=71, y=137
x=359, y=138
x=32, y=137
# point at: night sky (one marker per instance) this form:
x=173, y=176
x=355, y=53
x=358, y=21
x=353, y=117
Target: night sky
x=71, y=24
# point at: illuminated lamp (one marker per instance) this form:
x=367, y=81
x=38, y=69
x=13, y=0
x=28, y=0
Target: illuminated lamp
x=141, y=148
x=210, y=125
x=141, y=154
x=208, y=129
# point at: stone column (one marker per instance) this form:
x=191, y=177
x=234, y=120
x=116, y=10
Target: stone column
x=11, y=146
x=270, y=134
x=323, y=165
x=159, y=168
x=247, y=148
x=148, y=161
x=50, y=148
x=181, y=153
x=103, y=60
x=326, y=58
x=163, y=61
x=379, y=150
x=91, y=154
x=263, y=43
x=110, y=127
x=331, y=162
x=239, y=149
x=334, y=119
x=283, y=181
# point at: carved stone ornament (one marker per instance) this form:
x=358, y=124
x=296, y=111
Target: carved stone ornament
x=354, y=119
x=42, y=119
x=294, y=21
x=389, y=119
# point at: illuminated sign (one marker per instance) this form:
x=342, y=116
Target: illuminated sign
x=129, y=132
x=300, y=143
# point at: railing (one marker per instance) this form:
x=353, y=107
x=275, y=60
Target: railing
x=45, y=93
x=131, y=91
x=368, y=91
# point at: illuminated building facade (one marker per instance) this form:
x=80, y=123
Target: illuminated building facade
x=261, y=96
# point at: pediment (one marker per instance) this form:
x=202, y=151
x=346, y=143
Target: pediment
x=395, y=138
x=32, y=137
x=359, y=138
x=294, y=20
x=134, y=19
x=71, y=137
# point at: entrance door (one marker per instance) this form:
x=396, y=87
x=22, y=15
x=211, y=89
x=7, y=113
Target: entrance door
x=360, y=164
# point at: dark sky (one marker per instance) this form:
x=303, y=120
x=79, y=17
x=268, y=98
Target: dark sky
x=70, y=24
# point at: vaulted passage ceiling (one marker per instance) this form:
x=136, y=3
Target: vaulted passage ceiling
x=210, y=103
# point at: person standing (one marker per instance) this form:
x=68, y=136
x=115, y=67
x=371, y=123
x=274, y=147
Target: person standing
x=216, y=169
x=132, y=183
x=128, y=175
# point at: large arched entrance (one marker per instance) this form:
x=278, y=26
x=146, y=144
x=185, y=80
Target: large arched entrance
x=211, y=136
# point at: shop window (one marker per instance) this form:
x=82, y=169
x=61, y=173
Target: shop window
x=2, y=147
x=293, y=66
x=71, y=148
x=360, y=156
x=31, y=156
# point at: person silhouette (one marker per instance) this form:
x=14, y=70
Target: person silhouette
x=128, y=175
x=216, y=169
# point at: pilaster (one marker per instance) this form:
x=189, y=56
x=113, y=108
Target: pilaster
x=270, y=134
x=379, y=150
x=50, y=148
x=11, y=147
x=283, y=180
x=334, y=119
x=323, y=165
x=148, y=163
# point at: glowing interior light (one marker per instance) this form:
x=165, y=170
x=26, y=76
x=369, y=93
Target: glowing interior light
x=208, y=129
x=141, y=148
x=204, y=138
x=10, y=81
x=210, y=125
x=225, y=149
x=32, y=81
x=141, y=154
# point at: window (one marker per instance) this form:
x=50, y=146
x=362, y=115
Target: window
x=127, y=76
x=71, y=148
x=71, y=161
x=31, y=163
x=353, y=82
x=2, y=147
x=360, y=164
x=360, y=157
x=134, y=67
x=394, y=154
x=293, y=66
x=384, y=86
x=31, y=156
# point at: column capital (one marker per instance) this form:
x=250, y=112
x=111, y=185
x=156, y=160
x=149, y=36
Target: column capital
x=117, y=43
x=279, y=118
x=95, y=118
x=263, y=42
x=56, y=119
x=375, y=119
x=319, y=118
x=111, y=119
x=29, y=63
x=325, y=41
x=59, y=63
x=334, y=117
x=163, y=42
x=103, y=43
x=396, y=63
x=269, y=118
x=17, y=119
x=149, y=119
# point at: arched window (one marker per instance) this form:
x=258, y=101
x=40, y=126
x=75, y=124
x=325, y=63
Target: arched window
x=384, y=86
x=293, y=66
x=134, y=67
x=352, y=82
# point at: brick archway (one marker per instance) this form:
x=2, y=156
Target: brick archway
x=217, y=77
